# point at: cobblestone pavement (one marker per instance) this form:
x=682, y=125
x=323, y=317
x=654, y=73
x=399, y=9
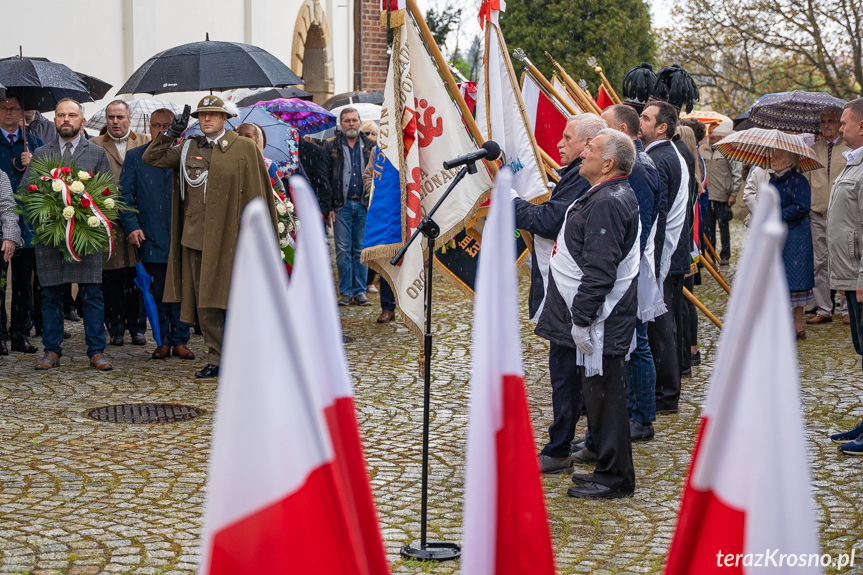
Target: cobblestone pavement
x=81, y=497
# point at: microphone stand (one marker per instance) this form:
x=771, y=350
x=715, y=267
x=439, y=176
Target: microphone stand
x=424, y=549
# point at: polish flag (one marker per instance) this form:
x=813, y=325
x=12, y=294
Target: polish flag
x=603, y=100
x=505, y=524
x=747, y=503
x=275, y=500
x=545, y=118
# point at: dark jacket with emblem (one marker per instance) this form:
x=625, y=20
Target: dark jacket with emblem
x=50, y=266
x=237, y=175
x=667, y=163
x=149, y=190
x=600, y=230
x=545, y=219
x=8, y=152
x=336, y=155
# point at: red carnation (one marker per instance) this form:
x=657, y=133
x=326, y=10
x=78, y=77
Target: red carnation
x=85, y=203
x=106, y=192
x=66, y=170
x=33, y=188
x=281, y=196
x=272, y=182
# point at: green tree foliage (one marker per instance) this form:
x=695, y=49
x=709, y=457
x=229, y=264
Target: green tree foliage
x=443, y=21
x=738, y=50
x=616, y=32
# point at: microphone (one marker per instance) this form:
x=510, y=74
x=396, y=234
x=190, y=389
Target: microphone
x=489, y=150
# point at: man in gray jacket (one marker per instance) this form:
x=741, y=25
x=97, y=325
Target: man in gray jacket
x=845, y=242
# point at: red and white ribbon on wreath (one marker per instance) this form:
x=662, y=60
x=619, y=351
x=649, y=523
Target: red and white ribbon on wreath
x=57, y=175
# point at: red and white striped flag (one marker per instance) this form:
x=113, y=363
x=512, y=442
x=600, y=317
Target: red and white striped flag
x=275, y=501
x=747, y=506
x=544, y=116
x=505, y=524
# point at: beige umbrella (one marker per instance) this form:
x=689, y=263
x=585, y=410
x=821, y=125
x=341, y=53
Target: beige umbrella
x=755, y=147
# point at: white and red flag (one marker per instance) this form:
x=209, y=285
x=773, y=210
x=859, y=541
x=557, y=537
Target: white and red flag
x=546, y=118
x=505, y=523
x=747, y=506
x=500, y=111
x=285, y=437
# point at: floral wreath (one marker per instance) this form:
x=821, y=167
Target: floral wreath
x=70, y=209
x=288, y=224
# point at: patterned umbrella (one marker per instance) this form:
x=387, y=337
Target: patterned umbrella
x=706, y=116
x=755, y=147
x=792, y=111
x=142, y=109
x=305, y=116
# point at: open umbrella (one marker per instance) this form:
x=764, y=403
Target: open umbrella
x=795, y=111
x=142, y=109
x=143, y=281
x=705, y=116
x=307, y=117
x=209, y=65
x=354, y=98
x=41, y=83
x=265, y=94
x=282, y=140
x=2, y=92
x=97, y=88
x=755, y=147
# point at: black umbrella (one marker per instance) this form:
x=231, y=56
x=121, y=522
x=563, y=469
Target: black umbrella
x=96, y=87
x=274, y=94
x=209, y=66
x=354, y=98
x=2, y=92
x=41, y=83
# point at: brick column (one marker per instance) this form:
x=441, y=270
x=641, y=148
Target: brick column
x=373, y=62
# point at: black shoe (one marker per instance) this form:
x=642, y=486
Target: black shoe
x=24, y=347
x=117, y=340
x=578, y=444
x=695, y=358
x=686, y=372
x=640, y=432
x=71, y=316
x=665, y=409
x=812, y=310
x=3, y=349
x=598, y=491
x=209, y=370
x=139, y=339
x=67, y=334
x=584, y=456
x=553, y=465
x=582, y=478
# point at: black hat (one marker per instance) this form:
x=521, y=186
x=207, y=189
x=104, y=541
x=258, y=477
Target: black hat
x=638, y=82
x=675, y=86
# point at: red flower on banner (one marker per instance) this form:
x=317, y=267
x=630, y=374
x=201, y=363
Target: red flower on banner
x=106, y=192
x=85, y=203
x=33, y=188
x=281, y=196
x=272, y=181
x=66, y=170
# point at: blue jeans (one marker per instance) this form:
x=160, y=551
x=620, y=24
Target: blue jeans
x=171, y=329
x=855, y=313
x=93, y=310
x=641, y=379
x=566, y=399
x=348, y=231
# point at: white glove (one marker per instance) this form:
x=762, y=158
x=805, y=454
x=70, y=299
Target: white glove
x=581, y=337
x=513, y=194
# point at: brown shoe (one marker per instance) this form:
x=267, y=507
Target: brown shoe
x=162, y=352
x=100, y=362
x=819, y=319
x=386, y=316
x=846, y=319
x=183, y=352
x=50, y=360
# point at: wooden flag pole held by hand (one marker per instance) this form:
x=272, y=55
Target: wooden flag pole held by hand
x=709, y=266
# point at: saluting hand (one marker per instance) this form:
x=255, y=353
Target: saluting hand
x=181, y=121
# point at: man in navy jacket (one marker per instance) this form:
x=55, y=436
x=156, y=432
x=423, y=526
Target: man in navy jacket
x=149, y=190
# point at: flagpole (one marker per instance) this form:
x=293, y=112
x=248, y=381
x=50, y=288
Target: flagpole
x=541, y=80
x=598, y=69
x=708, y=264
x=580, y=95
x=689, y=295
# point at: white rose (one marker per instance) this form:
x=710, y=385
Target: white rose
x=284, y=242
x=83, y=176
x=68, y=212
x=296, y=226
x=57, y=186
x=283, y=256
x=281, y=228
x=77, y=187
x=93, y=222
x=281, y=208
x=290, y=206
x=109, y=203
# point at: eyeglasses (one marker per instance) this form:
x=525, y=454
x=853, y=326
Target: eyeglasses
x=160, y=126
x=6, y=110
x=370, y=133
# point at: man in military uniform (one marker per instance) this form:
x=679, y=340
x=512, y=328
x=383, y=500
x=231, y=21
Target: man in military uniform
x=217, y=174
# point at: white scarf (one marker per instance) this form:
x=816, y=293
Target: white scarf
x=567, y=277
x=650, y=302
x=542, y=250
x=674, y=220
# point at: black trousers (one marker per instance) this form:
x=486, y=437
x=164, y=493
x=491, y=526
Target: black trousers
x=566, y=399
x=662, y=337
x=683, y=323
x=123, y=307
x=605, y=397
x=717, y=214
x=22, y=271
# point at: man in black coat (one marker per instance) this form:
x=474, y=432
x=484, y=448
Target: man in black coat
x=544, y=222
x=316, y=164
x=592, y=301
x=658, y=124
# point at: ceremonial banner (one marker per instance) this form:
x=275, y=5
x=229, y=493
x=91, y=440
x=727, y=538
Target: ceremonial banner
x=603, y=100
x=545, y=119
x=561, y=89
x=393, y=13
x=505, y=523
x=275, y=501
x=747, y=506
x=500, y=111
x=420, y=129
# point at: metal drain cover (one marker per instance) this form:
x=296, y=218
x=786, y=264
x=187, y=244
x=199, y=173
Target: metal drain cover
x=144, y=413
